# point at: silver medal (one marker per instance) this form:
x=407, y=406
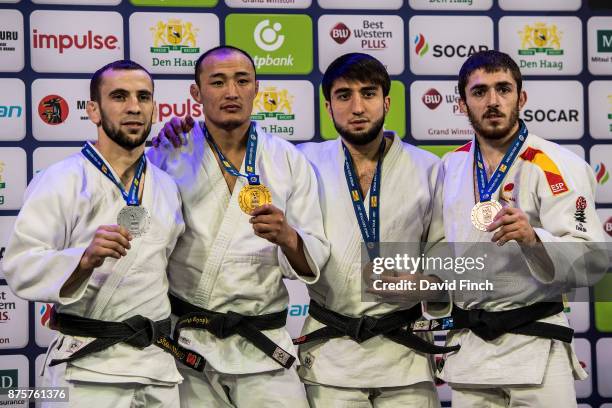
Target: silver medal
x=135, y=219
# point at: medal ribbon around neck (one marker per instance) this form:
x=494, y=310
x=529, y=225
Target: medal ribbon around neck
x=130, y=197
x=369, y=225
x=486, y=188
x=251, y=153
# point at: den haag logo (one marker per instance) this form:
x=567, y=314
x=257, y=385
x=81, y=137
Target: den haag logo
x=174, y=38
x=275, y=104
x=53, y=109
x=538, y=40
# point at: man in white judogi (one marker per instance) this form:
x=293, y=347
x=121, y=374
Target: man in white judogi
x=77, y=244
x=230, y=262
x=547, y=234
x=377, y=372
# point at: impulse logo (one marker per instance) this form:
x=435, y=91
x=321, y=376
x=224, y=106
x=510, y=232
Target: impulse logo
x=63, y=42
x=45, y=314
x=602, y=174
x=421, y=45
x=340, y=33
x=432, y=98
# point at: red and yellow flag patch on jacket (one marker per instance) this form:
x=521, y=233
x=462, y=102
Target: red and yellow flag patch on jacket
x=555, y=180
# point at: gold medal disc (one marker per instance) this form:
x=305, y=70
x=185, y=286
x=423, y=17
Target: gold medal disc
x=253, y=196
x=484, y=212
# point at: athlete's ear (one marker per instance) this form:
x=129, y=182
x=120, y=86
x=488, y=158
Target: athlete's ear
x=522, y=99
x=195, y=93
x=387, y=104
x=93, y=112
x=463, y=106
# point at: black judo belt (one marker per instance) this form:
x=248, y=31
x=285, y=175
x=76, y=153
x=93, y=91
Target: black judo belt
x=223, y=325
x=137, y=331
x=392, y=325
x=491, y=325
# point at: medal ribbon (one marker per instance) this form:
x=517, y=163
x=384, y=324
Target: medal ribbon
x=251, y=153
x=486, y=188
x=369, y=225
x=131, y=197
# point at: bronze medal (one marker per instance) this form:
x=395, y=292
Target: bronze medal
x=484, y=212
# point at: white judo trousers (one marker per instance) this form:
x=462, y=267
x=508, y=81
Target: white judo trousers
x=63, y=207
x=550, y=184
x=219, y=264
x=378, y=372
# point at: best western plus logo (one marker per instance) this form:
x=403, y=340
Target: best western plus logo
x=432, y=98
x=608, y=226
x=75, y=41
x=5, y=308
x=278, y=43
x=340, y=33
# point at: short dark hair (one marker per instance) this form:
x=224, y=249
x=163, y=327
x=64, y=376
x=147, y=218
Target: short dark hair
x=356, y=66
x=221, y=49
x=120, y=65
x=490, y=61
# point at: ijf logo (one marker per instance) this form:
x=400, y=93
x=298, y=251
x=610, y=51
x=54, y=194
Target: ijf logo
x=278, y=43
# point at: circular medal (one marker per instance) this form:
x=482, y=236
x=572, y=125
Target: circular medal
x=484, y=212
x=135, y=219
x=252, y=196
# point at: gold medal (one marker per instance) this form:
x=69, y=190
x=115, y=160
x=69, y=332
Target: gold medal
x=484, y=212
x=252, y=196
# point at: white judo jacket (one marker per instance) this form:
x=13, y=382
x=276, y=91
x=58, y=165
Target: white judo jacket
x=547, y=182
x=63, y=207
x=408, y=213
x=219, y=263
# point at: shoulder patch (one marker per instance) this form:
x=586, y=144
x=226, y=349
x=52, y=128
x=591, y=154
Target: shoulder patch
x=555, y=180
x=465, y=148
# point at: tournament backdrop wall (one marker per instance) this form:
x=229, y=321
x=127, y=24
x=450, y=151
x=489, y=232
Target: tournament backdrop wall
x=49, y=48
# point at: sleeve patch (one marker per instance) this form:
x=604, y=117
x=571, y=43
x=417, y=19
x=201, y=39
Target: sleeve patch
x=465, y=148
x=553, y=176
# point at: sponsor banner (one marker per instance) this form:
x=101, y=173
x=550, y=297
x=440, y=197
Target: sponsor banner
x=11, y=41
x=451, y=4
x=6, y=228
x=545, y=5
x=439, y=150
x=13, y=174
x=75, y=41
x=577, y=149
x=582, y=347
x=13, y=320
x=361, y=4
x=578, y=312
x=380, y=36
x=175, y=3
x=298, y=306
x=435, y=113
x=59, y=110
x=80, y=2
x=43, y=157
x=394, y=121
x=167, y=43
x=600, y=109
x=14, y=373
x=285, y=109
x=603, y=350
x=553, y=110
x=601, y=162
x=43, y=335
x=437, y=51
x=278, y=43
x=173, y=99
x=543, y=45
x=605, y=216
x=271, y=4
x=12, y=109
x=599, y=45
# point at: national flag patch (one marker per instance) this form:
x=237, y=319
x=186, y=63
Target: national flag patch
x=553, y=176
